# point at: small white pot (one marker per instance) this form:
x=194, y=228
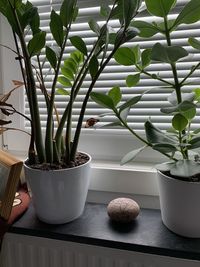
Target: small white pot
x=180, y=205
x=59, y=195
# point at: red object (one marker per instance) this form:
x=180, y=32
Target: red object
x=20, y=205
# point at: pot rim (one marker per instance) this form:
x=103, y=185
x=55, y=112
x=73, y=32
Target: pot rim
x=64, y=169
x=174, y=179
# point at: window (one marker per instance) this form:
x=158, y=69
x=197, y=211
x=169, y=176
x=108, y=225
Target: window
x=105, y=143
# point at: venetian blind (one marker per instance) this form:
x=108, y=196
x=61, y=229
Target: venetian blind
x=114, y=74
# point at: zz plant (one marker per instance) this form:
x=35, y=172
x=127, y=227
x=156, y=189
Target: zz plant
x=178, y=142
x=58, y=148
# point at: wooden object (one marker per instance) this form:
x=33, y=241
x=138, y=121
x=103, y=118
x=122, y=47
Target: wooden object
x=14, y=167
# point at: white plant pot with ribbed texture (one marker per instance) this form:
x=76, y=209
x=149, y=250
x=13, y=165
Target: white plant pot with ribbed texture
x=59, y=196
x=180, y=205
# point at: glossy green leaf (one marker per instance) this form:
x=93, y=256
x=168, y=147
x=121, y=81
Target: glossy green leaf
x=160, y=8
x=67, y=11
x=189, y=14
x=137, y=53
x=36, y=44
x=156, y=136
x=79, y=44
x=185, y=168
x=93, y=66
x=167, y=54
x=129, y=8
x=194, y=43
x=145, y=29
x=146, y=57
x=94, y=26
x=115, y=95
x=195, y=143
x=71, y=64
x=103, y=100
x=35, y=23
x=28, y=16
x=77, y=57
x=129, y=103
x=124, y=36
x=164, y=148
x=56, y=27
x=51, y=57
x=132, y=80
x=62, y=91
x=131, y=155
x=64, y=81
x=179, y=122
x=67, y=73
x=125, y=56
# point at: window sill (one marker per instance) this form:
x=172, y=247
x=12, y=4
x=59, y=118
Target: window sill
x=146, y=234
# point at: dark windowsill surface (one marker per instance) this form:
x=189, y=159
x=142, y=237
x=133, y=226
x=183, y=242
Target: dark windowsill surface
x=146, y=234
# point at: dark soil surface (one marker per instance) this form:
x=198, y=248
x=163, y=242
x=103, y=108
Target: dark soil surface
x=80, y=159
x=195, y=178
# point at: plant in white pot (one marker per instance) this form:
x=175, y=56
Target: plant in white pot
x=179, y=177
x=56, y=171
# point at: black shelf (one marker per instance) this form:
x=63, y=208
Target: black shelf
x=146, y=234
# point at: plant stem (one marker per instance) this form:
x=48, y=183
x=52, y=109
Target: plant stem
x=49, y=127
x=32, y=97
x=190, y=73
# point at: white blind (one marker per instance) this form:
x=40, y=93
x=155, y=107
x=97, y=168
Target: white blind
x=114, y=74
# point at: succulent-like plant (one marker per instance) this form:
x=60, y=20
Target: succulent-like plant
x=70, y=72
x=178, y=142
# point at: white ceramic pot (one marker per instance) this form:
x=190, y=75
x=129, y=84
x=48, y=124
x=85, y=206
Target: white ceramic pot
x=180, y=205
x=59, y=195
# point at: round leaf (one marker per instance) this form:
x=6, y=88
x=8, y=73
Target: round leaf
x=103, y=100
x=145, y=29
x=159, y=8
x=125, y=56
x=132, y=80
x=115, y=95
x=179, y=122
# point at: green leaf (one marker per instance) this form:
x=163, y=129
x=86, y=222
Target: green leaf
x=194, y=43
x=67, y=73
x=129, y=8
x=125, y=56
x=186, y=108
x=164, y=148
x=36, y=44
x=62, y=91
x=77, y=57
x=197, y=94
x=28, y=16
x=156, y=136
x=146, y=57
x=146, y=29
x=71, y=64
x=93, y=66
x=132, y=80
x=64, y=81
x=124, y=36
x=185, y=168
x=105, y=10
x=94, y=26
x=137, y=53
x=115, y=95
x=131, y=155
x=185, y=97
x=35, y=23
x=189, y=14
x=56, y=27
x=160, y=8
x=67, y=11
x=131, y=102
x=51, y=57
x=195, y=143
x=79, y=44
x=179, y=122
x=167, y=54
x=103, y=100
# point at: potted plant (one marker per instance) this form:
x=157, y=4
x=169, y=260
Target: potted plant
x=56, y=171
x=179, y=177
